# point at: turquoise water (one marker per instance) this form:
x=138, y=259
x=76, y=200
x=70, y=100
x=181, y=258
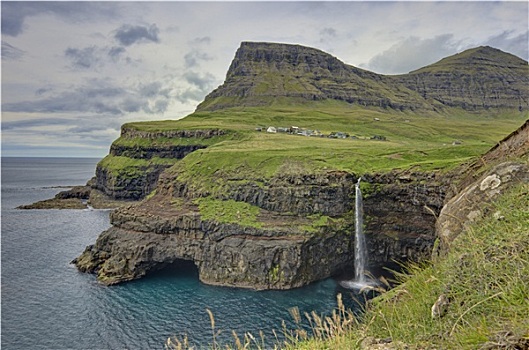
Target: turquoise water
x=48, y=304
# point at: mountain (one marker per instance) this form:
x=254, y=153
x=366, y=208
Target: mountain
x=479, y=78
x=262, y=74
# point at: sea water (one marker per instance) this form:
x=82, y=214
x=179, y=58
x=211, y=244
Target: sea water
x=48, y=304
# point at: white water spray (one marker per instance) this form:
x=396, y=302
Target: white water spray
x=360, y=282
x=360, y=244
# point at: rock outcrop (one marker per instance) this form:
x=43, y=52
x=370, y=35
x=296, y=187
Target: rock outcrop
x=501, y=168
x=143, y=156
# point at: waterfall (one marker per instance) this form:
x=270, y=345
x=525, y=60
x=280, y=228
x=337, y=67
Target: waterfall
x=360, y=244
x=360, y=282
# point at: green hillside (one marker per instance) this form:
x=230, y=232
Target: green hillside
x=424, y=141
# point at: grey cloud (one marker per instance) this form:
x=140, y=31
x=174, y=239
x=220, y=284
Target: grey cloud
x=202, y=40
x=96, y=97
x=14, y=13
x=87, y=57
x=9, y=52
x=93, y=130
x=328, y=32
x=517, y=45
x=127, y=35
x=197, y=54
x=193, y=58
x=201, y=85
x=94, y=57
x=204, y=82
x=115, y=52
x=29, y=123
x=42, y=91
x=191, y=95
x=160, y=106
x=153, y=89
x=412, y=53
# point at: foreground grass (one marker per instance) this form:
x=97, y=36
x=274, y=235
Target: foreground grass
x=484, y=277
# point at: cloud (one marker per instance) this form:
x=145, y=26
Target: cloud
x=412, y=53
x=94, y=57
x=31, y=123
x=201, y=85
x=100, y=97
x=115, y=52
x=197, y=54
x=327, y=34
x=83, y=58
x=14, y=13
x=192, y=59
x=515, y=44
x=203, y=82
x=9, y=52
x=127, y=34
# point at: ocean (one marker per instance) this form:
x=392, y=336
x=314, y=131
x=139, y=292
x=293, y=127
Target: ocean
x=48, y=304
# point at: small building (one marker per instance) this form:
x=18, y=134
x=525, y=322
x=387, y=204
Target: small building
x=271, y=129
x=338, y=135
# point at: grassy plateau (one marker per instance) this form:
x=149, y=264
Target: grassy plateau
x=428, y=141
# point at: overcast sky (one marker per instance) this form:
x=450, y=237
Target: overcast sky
x=73, y=72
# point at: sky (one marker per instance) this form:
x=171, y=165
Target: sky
x=74, y=72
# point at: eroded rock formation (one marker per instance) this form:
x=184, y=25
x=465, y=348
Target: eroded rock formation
x=284, y=252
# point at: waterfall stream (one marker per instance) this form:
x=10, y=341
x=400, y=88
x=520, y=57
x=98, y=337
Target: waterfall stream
x=360, y=244
x=360, y=281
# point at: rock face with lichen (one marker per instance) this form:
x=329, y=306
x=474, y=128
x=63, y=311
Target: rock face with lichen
x=472, y=201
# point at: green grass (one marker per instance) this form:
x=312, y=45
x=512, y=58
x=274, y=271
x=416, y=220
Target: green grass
x=120, y=166
x=229, y=212
x=419, y=140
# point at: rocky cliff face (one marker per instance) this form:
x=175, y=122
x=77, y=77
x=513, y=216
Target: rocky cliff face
x=285, y=252
x=261, y=73
x=141, y=156
x=477, y=79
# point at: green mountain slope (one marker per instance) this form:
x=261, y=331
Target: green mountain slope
x=264, y=74
x=479, y=78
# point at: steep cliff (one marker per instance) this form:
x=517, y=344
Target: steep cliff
x=295, y=238
x=263, y=73
x=138, y=157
